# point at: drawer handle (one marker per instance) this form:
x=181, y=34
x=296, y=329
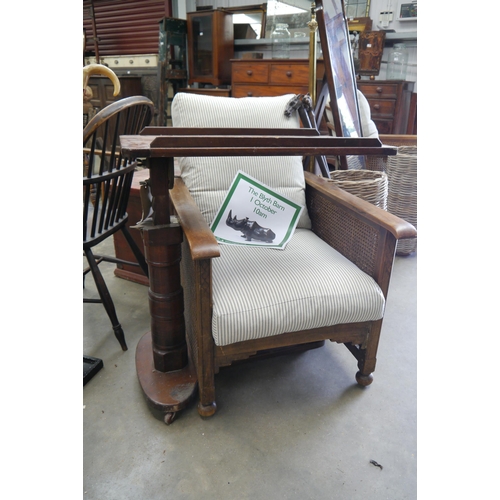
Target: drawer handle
x=376, y=106
x=289, y=74
x=249, y=94
x=249, y=72
x=379, y=90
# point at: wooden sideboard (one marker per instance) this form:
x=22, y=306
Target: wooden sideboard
x=389, y=103
x=270, y=77
x=389, y=99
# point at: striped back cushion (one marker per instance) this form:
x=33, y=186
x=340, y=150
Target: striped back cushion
x=208, y=179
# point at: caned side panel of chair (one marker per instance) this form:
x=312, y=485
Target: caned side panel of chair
x=368, y=245
x=343, y=231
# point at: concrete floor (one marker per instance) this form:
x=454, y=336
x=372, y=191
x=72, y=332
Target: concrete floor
x=292, y=427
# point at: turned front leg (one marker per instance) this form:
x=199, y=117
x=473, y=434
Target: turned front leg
x=367, y=356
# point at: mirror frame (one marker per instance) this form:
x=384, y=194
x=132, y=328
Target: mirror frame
x=252, y=9
x=339, y=67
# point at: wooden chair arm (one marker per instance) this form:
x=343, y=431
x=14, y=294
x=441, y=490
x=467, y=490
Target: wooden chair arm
x=201, y=240
x=363, y=209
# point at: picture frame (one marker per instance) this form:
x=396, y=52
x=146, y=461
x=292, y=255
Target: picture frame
x=371, y=48
x=407, y=10
x=339, y=67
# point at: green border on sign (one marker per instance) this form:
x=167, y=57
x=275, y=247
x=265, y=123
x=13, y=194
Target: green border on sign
x=242, y=176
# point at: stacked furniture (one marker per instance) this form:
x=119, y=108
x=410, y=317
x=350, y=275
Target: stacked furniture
x=241, y=302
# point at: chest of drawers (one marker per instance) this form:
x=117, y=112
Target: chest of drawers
x=389, y=103
x=389, y=99
x=269, y=77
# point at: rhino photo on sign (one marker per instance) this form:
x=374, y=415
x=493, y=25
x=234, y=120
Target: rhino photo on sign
x=250, y=229
x=253, y=214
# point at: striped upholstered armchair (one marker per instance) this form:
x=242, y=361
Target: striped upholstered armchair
x=330, y=282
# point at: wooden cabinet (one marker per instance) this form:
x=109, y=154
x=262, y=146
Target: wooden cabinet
x=102, y=90
x=122, y=249
x=210, y=47
x=270, y=77
x=389, y=103
x=102, y=93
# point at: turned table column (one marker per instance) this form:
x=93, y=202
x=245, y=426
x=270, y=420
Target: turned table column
x=165, y=372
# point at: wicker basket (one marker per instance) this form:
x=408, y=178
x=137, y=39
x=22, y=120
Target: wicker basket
x=379, y=163
x=376, y=163
x=355, y=162
x=368, y=185
x=402, y=196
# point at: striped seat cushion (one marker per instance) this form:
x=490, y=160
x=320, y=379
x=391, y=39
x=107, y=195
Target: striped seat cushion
x=259, y=292
x=208, y=179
